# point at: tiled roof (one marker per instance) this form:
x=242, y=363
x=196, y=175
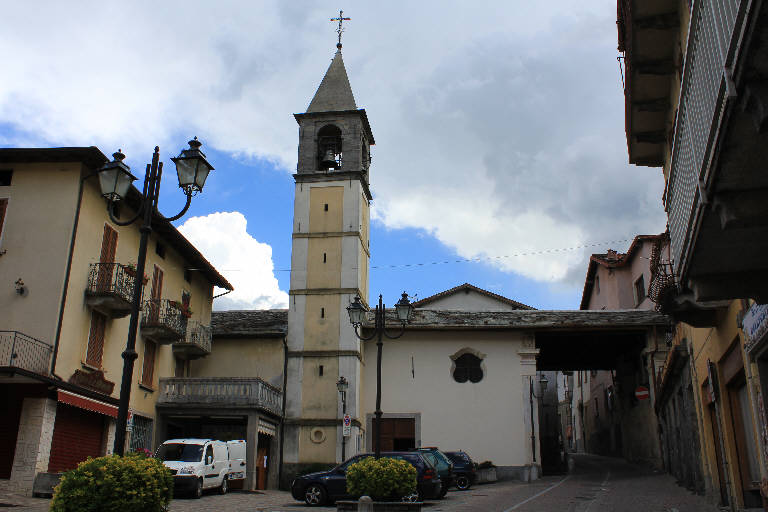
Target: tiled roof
x=259, y=323
x=467, y=287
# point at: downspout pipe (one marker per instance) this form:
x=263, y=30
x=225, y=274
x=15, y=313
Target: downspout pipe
x=65, y=289
x=282, y=419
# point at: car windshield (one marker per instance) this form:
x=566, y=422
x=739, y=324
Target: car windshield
x=180, y=452
x=430, y=458
x=442, y=458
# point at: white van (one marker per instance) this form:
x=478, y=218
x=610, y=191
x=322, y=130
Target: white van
x=196, y=464
x=237, y=461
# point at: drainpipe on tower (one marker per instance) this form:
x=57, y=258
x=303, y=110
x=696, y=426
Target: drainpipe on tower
x=282, y=419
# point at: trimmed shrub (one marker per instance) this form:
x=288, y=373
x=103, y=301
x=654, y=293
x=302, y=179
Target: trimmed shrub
x=383, y=479
x=134, y=483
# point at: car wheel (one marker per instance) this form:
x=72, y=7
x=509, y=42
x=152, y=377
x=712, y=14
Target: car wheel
x=443, y=491
x=314, y=495
x=199, y=489
x=462, y=482
x=223, y=488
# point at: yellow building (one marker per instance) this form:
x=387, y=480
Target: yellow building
x=696, y=107
x=69, y=274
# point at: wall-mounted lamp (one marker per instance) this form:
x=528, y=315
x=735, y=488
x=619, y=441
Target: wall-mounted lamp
x=20, y=288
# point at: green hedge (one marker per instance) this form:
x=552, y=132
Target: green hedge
x=384, y=479
x=134, y=483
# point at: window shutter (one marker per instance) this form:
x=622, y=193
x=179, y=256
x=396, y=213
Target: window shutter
x=157, y=283
x=148, y=369
x=108, y=245
x=95, y=350
x=3, y=206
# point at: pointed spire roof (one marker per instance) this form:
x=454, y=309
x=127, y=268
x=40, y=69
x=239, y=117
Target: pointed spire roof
x=334, y=93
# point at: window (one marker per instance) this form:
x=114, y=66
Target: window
x=148, y=368
x=160, y=249
x=597, y=285
x=187, y=275
x=5, y=178
x=639, y=290
x=95, y=351
x=326, y=206
x=467, y=368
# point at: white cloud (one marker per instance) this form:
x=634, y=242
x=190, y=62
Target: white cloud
x=499, y=129
x=245, y=262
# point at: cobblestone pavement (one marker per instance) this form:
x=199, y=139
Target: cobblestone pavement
x=597, y=484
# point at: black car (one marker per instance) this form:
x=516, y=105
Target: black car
x=442, y=463
x=319, y=488
x=464, y=473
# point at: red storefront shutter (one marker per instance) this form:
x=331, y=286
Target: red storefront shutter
x=77, y=435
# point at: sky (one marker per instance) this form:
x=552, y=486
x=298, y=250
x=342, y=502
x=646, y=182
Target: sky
x=500, y=156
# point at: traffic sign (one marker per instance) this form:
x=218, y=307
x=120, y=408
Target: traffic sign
x=642, y=393
x=347, y=429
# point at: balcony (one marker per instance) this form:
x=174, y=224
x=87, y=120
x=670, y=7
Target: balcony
x=196, y=344
x=648, y=35
x=18, y=350
x=220, y=392
x=162, y=321
x=716, y=183
x=110, y=289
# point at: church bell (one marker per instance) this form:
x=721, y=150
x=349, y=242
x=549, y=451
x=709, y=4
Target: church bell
x=329, y=159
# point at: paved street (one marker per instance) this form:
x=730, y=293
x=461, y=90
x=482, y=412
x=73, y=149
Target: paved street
x=597, y=484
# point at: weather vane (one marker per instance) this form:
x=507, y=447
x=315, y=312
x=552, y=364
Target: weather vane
x=339, y=30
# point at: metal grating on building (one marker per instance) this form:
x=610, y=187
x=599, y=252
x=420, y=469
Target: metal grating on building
x=141, y=435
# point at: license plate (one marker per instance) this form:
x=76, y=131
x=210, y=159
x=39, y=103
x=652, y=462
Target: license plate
x=236, y=476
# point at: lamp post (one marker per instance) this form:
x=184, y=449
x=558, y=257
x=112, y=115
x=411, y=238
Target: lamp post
x=357, y=311
x=342, y=386
x=115, y=179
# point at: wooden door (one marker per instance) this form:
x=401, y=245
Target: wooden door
x=107, y=259
x=262, y=456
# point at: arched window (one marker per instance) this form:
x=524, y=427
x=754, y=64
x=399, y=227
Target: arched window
x=329, y=147
x=468, y=366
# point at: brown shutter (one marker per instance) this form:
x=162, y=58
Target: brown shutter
x=148, y=368
x=95, y=351
x=3, y=206
x=157, y=283
x=107, y=258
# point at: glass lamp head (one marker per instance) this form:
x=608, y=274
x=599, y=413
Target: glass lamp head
x=404, y=309
x=115, y=178
x=192, y=168
x=356, y=312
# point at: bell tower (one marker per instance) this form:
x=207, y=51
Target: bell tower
x=329, y=267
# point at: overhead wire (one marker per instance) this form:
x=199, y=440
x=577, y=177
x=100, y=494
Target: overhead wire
x=486, y=258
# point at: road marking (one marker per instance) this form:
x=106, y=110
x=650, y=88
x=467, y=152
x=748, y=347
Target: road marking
x=515, y=507
x=602, y=488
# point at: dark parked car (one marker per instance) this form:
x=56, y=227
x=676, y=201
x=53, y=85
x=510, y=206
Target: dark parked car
x=464, y=473
x=442, y=463
x=319, y=488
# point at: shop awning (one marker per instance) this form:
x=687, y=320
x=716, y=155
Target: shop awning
x=69, y=398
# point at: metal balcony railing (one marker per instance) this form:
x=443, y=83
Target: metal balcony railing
x=162, y=321
x=704, y=91
x=110, y=288
x=111, y=278
x=22, y=351
x=197, y=343
x=221, y=392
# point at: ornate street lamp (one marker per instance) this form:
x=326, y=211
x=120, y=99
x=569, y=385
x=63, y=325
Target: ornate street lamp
x=357, y=311
x=342, y=386
x=115, y=179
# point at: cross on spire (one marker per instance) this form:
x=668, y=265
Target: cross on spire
x=339, y=30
